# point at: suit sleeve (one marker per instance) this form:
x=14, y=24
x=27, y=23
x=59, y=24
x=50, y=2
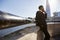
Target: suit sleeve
x=37, y=15
x=46, y=15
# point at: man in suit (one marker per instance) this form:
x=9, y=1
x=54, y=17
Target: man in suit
x=41, y=17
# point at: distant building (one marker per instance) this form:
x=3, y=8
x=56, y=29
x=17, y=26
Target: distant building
x=48, y=8
x=56, y=14
x=31, y=19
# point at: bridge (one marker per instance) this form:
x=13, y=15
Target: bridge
x=24, y=29
x=30, y=30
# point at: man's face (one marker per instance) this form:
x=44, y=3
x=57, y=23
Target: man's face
x=42, y=9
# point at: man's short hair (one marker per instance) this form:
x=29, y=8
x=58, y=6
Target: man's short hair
x=40, y=6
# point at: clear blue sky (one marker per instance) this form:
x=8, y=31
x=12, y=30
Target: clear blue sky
x=24, y=8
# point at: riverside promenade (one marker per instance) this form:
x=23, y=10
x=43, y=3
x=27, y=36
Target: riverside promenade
x=29, y=33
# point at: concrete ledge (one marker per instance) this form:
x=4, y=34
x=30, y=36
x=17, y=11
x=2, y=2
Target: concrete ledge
x=7, y=31
x=53, y=29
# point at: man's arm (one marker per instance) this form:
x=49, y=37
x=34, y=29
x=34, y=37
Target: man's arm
x=36, y=15
x=46, y=15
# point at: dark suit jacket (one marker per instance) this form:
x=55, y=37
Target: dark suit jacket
x=40, y=18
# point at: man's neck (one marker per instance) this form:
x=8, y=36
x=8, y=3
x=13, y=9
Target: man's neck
x=41, y=10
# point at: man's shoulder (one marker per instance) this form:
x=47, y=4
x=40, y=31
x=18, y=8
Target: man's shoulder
x=38, y=11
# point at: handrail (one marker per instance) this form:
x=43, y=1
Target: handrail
x=7, y=31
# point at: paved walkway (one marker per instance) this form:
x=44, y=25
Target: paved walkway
x=29, y=33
